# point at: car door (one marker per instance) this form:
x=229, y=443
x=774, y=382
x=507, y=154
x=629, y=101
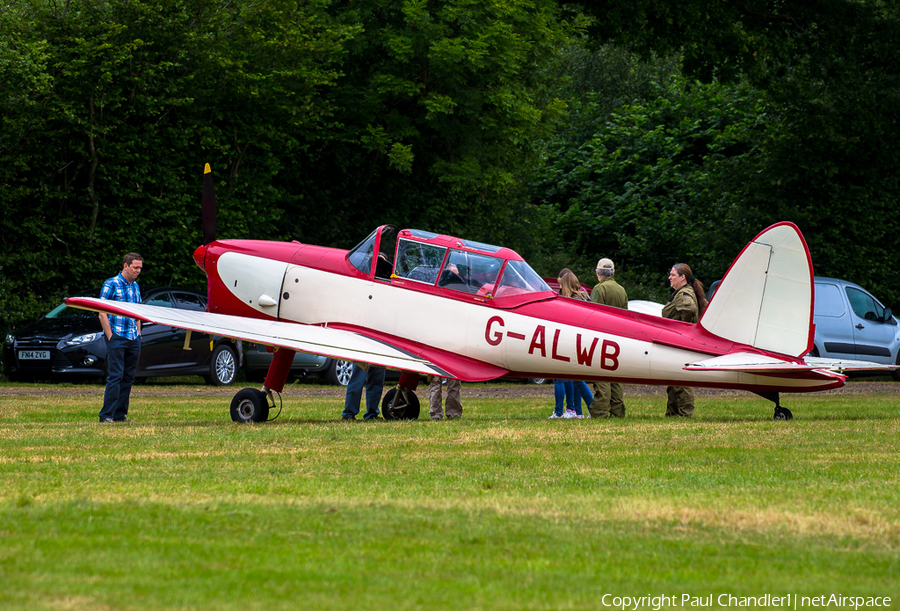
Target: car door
x=834, y=327
x=200, y=350
x=156, y=339
x=872, y=333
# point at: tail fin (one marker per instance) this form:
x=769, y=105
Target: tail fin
x=765, y=299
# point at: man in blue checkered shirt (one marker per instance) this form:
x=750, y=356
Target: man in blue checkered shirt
x=123, y=340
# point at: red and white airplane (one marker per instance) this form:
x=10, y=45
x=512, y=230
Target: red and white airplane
x=430, y=304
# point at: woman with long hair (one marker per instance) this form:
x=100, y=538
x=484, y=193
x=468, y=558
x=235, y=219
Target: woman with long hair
x=572, y=392
x=687, y=304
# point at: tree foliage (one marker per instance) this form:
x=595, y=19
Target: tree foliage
x=320, y=120
x=657, y=183
x=828, y=72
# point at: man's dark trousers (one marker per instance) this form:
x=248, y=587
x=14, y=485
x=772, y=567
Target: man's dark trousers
x=122, y=356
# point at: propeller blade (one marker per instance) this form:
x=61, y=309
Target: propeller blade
x=208, y=206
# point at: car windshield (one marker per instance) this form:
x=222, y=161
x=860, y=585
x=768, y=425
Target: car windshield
x=62, y=311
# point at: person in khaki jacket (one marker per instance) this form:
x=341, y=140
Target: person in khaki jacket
x=686, y=304
x=608, y=397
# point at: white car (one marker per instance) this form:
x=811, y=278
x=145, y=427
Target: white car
x=645, y=307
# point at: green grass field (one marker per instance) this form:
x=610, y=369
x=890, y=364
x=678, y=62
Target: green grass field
x=182, y=509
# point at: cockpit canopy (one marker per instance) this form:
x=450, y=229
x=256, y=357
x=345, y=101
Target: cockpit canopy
x=484, y=270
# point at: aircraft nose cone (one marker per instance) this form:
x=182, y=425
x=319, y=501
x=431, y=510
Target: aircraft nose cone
x=200, y=256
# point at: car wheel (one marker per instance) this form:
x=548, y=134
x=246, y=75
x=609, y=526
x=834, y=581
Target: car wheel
x=249, y=405
x=339, y=372
x=222, y=366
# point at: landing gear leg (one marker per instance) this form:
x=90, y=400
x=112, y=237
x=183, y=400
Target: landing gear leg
x=781, y=413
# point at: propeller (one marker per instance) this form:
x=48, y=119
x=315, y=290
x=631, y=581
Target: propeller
x=208, y=206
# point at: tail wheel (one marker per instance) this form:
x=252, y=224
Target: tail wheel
x=400, y=404
x=783, y=413
x=250, y=405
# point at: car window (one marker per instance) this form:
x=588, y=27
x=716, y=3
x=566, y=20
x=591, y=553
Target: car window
x=419, y=262
x=189, y=301
x=864, y=305
x=828, y=301
x=162, y=300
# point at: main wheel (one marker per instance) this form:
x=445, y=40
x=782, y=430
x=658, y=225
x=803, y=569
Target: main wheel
x=404, y=407
x=339, y=372
x=250, y=405
x=222, y=366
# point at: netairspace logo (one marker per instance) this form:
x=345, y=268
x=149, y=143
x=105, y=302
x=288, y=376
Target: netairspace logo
x=787, y=601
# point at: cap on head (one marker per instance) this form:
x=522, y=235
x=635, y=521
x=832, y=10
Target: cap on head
x=606, y=264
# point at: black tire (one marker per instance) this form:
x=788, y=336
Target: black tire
x=783, y=413
x=339, y=372
x=250, y=405
x=404, y=409
x=222, y=366
x=537, y=380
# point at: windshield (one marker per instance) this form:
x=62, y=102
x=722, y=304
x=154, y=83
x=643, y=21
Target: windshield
x=62, y=311
x=519, y=278
x=361, y=255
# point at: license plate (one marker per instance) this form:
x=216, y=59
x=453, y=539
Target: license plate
x=34, y=355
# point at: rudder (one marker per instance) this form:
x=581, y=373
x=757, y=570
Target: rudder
x=766, y=298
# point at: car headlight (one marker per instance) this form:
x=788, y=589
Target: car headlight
x=84, y=339
x=10, y=339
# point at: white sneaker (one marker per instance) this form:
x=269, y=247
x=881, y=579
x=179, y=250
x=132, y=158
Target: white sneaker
x=553, y=416
x=570, y=413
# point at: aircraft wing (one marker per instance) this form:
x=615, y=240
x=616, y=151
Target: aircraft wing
x=757, y=363
x=334, y=343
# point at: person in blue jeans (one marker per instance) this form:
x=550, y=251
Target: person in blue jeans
x=373, y=380
x=573, y=393
x=123, y=340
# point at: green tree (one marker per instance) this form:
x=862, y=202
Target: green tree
x=655, y=184
x=440, y=103
x=829, y=69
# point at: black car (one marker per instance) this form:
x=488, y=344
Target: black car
x=68, y=343
x=257, y=359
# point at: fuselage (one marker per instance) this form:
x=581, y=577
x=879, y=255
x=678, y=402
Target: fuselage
x=476, y=334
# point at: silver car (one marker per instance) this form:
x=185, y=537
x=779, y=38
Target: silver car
x=852, y=324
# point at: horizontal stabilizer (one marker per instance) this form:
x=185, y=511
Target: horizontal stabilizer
x=334, y=343
x=750, y=363
x=848, y=365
